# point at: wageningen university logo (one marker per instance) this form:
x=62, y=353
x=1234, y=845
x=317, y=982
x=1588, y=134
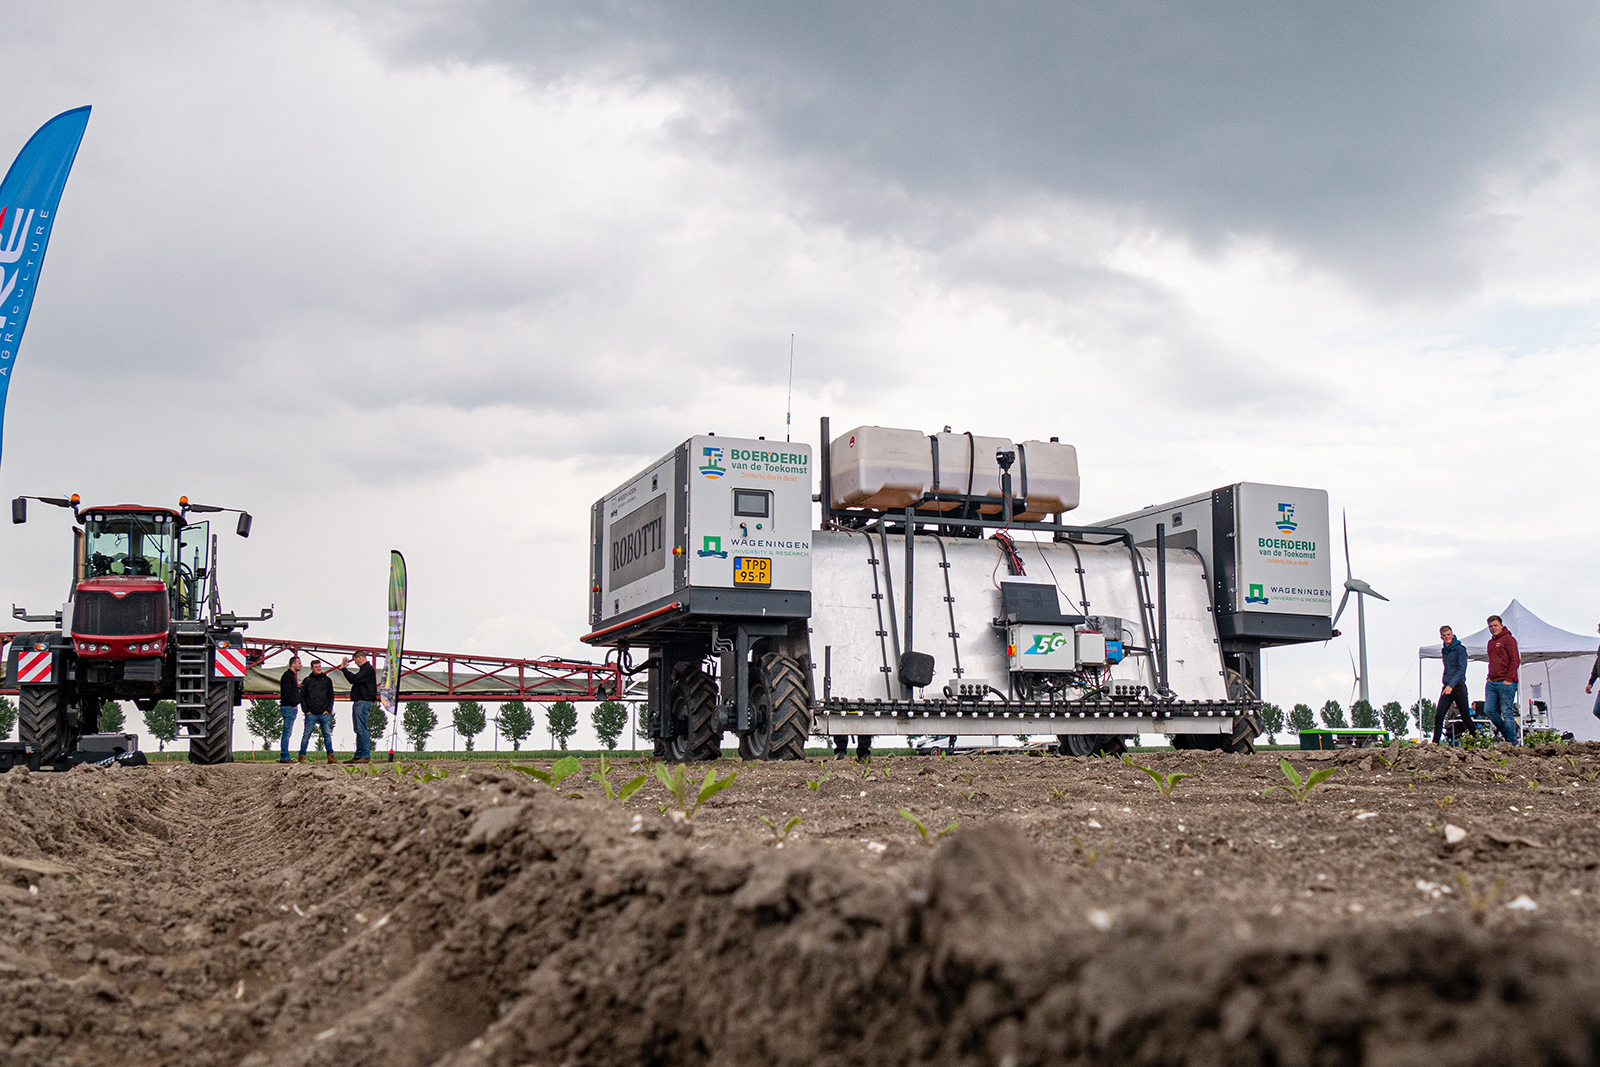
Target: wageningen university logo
x=711, y=546
x=1258, y=593
x=19, y=237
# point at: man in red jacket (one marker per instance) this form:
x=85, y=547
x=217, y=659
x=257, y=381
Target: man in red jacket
x=1500, y=698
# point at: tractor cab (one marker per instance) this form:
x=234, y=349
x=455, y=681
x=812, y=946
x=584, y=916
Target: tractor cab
x=135, y=569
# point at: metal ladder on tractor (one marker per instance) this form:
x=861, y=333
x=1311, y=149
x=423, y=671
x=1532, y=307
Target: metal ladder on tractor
x=193, y=644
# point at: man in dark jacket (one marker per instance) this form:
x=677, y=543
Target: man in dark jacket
x=1453, y=690
x=363, y=691
x=316, y=704
x=288, y=704
x=1500, y=697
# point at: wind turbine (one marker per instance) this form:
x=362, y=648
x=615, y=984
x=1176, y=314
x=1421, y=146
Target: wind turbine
x=1362, y=590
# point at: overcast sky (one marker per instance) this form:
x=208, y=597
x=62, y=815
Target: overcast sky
x=436, y=276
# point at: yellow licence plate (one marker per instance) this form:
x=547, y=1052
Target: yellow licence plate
x=748, y=570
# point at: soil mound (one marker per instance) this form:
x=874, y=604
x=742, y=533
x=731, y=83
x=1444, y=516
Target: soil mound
x=265, y=916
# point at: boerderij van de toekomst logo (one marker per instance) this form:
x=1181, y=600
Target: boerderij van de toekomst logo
x=1286, y=518
x=712, y=467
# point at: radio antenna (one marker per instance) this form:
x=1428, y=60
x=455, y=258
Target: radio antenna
x=788, y=415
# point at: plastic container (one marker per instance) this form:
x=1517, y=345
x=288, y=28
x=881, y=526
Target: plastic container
x=880, y=467
x=967, y=465
x=1046, y=474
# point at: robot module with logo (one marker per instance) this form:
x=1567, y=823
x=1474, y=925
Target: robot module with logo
x=896, y=582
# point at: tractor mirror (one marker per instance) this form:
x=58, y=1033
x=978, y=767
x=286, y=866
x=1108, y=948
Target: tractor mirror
x=19, y=510
x=244, y=524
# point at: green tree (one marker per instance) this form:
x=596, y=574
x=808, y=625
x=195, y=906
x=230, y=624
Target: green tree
x=469, y=720
x=1395, y=720
x=111, y=717
x=1333, y=715
x=8, y=718
x=1423, y=711
x=264, y=720
x=417, y=722
x=1272, y=719
x=516, y=723
x=1301, y=717
x=377, y=723
x=563, y=722
x=162, y=722
x=1363, y=714
x=610, y=718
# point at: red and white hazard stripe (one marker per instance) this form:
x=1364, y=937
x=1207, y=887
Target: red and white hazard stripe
x=229, y=663
x=34, y=666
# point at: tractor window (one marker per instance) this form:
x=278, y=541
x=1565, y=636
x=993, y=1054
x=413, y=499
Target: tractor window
x=129, y=543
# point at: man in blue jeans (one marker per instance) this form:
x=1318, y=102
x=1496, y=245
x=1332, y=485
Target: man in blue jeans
x=288, y=705
x=363, y=691
x=1500, y=697
x=316, y=704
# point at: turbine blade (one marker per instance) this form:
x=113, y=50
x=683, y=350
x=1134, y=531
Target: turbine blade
x=1346, y=517
x=1342, y=601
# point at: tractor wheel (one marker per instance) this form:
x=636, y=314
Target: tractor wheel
x=1092, y=744
x=217, y=746
x=780, y=713
x=40, y=721
x=694, y=720
x=1212, y=743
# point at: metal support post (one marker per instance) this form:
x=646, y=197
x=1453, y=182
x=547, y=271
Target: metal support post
x=741, y=679
x=1161, y=608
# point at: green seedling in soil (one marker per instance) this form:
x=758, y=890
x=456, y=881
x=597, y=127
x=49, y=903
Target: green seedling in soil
x=779, y=836
x=1479, y=739
x=1300, y=788
x=929, y=838
x=1164, y=782
x=969, y=796
x=1058, y=794
x=1480, y=903
x=864, y=773
x=1500, y=777
x=814, y=784
x=562, y=769
x=677, y=783
x=1542, y=737
x=1590, y=776
x=619, y=795
x=1571, y=762
x=1533, y=785
x=1087, y=851
x=1445, y=801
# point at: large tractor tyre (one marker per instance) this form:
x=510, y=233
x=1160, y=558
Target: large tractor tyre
x=217, y=745
x=1212, y=743
x=697, y=736
x=39, y=721
x=1092, y=744
x=780, y=711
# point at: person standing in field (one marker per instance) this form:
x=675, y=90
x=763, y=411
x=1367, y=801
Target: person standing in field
x=1594, y=672
x=363, y=691
x=288, y=704
x=1453, y=686
x=316, y=704
x=1500, y=696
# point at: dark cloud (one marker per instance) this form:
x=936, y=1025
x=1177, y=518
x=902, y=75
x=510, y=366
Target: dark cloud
x=1355, y=133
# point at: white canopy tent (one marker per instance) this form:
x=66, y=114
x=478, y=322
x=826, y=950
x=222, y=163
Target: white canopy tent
x=1555, y=668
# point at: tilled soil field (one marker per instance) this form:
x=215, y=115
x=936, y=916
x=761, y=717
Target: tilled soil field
x=1421, y=906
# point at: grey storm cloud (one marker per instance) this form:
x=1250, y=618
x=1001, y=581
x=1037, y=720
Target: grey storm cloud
x=1357, y=134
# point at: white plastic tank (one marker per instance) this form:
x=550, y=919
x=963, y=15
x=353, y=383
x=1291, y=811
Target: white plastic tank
x=967, y=465
x=880, y=467
x=1046, y=473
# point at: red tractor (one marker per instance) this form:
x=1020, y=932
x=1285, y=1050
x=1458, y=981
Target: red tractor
x=143, y=623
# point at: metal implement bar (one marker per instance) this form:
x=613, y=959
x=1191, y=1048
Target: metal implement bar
x=434, y=676
x=834, y=722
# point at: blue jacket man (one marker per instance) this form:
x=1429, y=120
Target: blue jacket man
x=1453, y=686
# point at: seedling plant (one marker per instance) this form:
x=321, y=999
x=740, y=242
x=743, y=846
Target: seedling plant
x=678, y=784
x=780, y=836
x=621, y=795
x=1164, y=782
x=1297, y=787
x=929, y=837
